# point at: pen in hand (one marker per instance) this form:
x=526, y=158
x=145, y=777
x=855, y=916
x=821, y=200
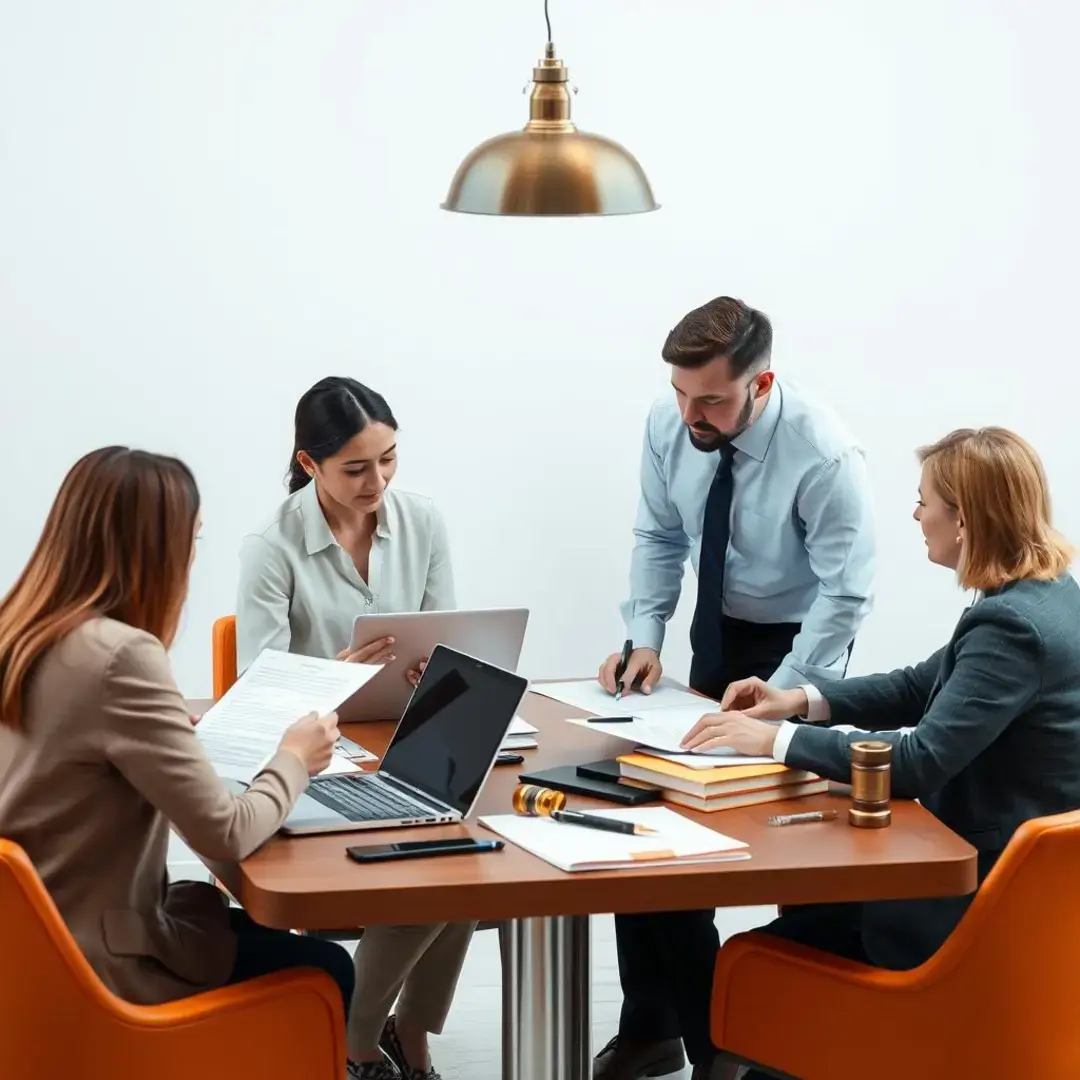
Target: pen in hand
x=620, y=669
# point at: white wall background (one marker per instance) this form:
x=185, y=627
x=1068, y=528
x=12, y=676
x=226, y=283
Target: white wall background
x=204, y=207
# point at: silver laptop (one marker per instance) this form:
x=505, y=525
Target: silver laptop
x=442, y=751
x=494, y=635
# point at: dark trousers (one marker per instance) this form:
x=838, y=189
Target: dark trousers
x=262, y=951
x=666, y=959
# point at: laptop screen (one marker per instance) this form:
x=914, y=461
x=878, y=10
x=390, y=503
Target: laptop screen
x=447, y=740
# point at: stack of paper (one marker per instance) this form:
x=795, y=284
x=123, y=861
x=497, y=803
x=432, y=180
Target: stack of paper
x=241, y=732
x=574, y=847
x=520, y=736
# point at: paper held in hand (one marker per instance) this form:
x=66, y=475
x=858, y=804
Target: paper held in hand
x=241, y=732
x=573, y=847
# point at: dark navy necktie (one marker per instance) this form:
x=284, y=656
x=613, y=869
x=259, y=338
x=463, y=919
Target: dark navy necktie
x=707, y=629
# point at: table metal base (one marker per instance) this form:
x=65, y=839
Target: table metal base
x=546, y=986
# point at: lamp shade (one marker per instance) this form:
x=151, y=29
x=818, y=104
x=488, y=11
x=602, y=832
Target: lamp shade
x=550, y=168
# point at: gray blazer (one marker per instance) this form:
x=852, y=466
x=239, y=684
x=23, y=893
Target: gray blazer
x=108, y=761
x=985, y=733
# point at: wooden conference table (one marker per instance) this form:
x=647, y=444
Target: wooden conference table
x=309, y=883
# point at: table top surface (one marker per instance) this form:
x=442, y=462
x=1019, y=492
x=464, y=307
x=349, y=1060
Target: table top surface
x=309, y=881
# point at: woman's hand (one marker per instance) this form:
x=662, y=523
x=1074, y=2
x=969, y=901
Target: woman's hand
x=414, y=674
x=762, y=701
x=312, y=740
x=734, y=730
x=379, y=651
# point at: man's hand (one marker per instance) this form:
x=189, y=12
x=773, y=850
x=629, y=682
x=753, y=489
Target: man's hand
x=758, y=699
x=735, y=730
x=643, y=669
x=380, y=651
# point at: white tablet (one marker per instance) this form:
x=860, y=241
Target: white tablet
x=494, y=635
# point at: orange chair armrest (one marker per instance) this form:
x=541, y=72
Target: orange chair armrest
x=283, y=1025
x=794, y=1008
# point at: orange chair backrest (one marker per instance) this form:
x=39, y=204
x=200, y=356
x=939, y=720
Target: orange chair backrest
x=47, y=989
x=224, y=653
x=1013, y=963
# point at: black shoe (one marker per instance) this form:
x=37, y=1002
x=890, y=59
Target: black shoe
x=635, y=1059
x=390, y=1045
x=372, y=1070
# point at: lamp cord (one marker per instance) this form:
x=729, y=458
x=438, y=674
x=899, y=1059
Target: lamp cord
x=547, y=20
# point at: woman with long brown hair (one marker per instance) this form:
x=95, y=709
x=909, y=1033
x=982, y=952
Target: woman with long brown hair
x=107, y=750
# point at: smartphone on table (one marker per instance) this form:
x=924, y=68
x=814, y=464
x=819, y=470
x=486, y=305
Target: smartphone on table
x=421, y=849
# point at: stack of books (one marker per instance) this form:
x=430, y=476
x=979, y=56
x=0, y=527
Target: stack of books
x=721, y=788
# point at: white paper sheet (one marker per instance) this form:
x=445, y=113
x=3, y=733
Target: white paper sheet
x=242, y=731
x=574, y=847
x=663, y=729
x=593, y=698
x=339, y=764
x=520, y=736
x=718, y=759
x=521, y=727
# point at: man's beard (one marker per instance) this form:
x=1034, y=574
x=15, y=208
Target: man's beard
x=706, y=438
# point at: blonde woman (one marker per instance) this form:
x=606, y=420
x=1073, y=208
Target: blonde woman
x=985, y=732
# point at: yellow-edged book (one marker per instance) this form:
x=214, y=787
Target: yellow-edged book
x=722, y=788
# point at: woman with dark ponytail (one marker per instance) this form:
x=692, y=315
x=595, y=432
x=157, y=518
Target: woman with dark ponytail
x=345, y=543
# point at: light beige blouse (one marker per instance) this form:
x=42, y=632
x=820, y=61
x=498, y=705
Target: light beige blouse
x=300, y=592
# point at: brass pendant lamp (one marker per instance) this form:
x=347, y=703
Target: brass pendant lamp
x=550, y=169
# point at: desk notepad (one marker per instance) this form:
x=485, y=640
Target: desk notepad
x=678, y=840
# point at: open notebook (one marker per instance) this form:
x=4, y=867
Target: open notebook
x=574, y=847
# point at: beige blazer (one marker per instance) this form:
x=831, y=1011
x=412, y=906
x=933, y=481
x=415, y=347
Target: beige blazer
x=110, y=759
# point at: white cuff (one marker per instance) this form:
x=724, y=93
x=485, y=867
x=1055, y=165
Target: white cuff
x=817, y=708
x=783, y=740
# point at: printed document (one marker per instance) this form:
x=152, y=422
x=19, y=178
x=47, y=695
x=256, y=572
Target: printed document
x=664, y=729
x=677, y=839
x=241, y=732
x=589, y=695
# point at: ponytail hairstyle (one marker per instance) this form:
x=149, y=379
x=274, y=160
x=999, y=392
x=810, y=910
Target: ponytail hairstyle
x=332, y=412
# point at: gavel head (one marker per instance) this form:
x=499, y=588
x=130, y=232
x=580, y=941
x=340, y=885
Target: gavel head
x=535, y=801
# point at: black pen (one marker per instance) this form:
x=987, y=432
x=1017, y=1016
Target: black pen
x=620, y=668
x=610, y=720
x=593, y=821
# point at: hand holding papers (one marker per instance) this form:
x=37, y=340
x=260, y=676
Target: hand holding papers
x=244, y=729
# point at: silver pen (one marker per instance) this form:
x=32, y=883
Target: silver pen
x=797, y=819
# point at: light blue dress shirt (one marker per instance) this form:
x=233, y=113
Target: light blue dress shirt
x=802, y=530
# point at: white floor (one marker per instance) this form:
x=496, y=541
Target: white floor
x=470, y=1048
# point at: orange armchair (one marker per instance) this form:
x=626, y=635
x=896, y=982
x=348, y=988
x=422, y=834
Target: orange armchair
x=57, y=1020
x=224, y=655
x=998, y=1001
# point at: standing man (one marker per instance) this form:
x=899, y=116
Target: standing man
x=768, y=496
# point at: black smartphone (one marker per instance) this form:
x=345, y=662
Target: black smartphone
x=420, y=849
x=508, y=757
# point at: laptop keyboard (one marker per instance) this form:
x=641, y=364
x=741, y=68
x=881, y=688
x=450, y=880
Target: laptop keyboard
x=363, y=799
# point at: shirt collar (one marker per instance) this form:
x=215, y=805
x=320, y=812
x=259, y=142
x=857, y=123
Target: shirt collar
x=317, y=534
x=755, y=440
